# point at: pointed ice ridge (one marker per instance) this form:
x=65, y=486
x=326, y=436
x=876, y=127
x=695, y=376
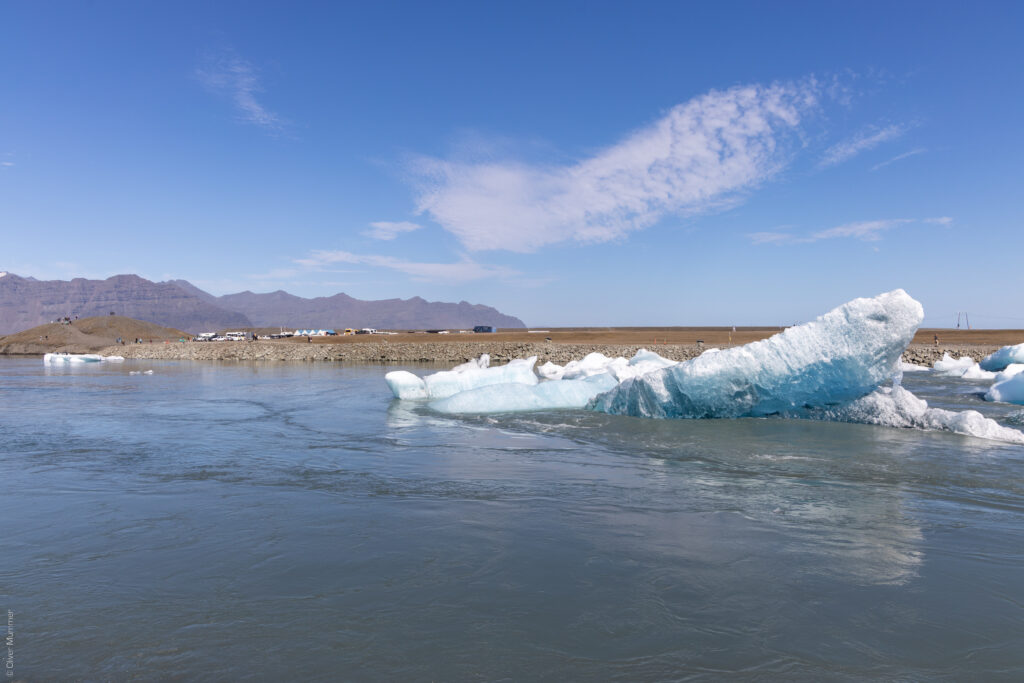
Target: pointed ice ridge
x=839, y=357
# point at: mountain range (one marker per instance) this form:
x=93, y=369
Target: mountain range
x=26, y=302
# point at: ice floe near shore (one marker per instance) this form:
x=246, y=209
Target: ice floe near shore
x=76, y=358
x=1009, y=390
x=827, y=369
x=1003, y=357
x=961, y=367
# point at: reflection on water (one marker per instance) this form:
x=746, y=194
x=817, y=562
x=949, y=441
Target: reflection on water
x=291, y=520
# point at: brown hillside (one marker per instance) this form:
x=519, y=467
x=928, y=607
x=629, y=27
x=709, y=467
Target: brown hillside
x=85, y=336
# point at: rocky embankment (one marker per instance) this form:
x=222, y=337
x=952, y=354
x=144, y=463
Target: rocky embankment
x=384, y=352
x=927, y=354
x=450, y=353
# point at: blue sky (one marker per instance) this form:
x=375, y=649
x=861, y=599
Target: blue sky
x=576, y=163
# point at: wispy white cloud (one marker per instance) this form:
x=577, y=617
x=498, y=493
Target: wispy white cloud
x=865, y=140
x=865, y=231
x=702, y=155
x=899, y=157
x=6, y=163
x=227, y=73
x=385, y=230
x=771, y=237
x=465, y=270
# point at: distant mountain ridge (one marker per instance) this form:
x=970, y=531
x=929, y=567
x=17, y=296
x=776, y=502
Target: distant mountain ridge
x=27, y=302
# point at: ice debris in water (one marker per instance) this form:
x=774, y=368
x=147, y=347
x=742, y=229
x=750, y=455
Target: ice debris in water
x=1012, y=370
x=964, y=367
x=75, y=358
x=839, y=357
x=1010, y=390
x=572, y=386
x=1003, y=357
x=465, y=377
x=910, y=367
x=897, y=407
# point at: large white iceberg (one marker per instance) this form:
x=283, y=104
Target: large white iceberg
x=1010, y=390
x=1003, y=357
x=839, y=357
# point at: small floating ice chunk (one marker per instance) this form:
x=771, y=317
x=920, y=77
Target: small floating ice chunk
x=1003, y=357
x=75, y=358
x=910, y=367
x=961, y=367
x=1012, y=370
x=565, y=394
x=897, y=407
x=839, y=357
x=1010, y=390
x=953, y=366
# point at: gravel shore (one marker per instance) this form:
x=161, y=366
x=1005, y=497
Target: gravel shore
x=449, y=353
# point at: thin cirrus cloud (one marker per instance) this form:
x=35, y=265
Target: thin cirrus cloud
x=899, y=157
x=863, y=141
x=865, y=231
x=702, y=155
x=385, y=230
x=228, y=74
x=465, y=270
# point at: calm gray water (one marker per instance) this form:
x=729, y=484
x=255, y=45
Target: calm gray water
x=292, y=522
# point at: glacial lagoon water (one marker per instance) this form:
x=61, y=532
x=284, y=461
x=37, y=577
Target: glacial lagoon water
x=217, y=521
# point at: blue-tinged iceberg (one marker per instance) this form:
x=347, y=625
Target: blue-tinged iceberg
x=839, y=357
x=1009, y=390
x=1003, y=357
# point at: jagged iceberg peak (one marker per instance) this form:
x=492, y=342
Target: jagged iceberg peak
x=841, y=356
